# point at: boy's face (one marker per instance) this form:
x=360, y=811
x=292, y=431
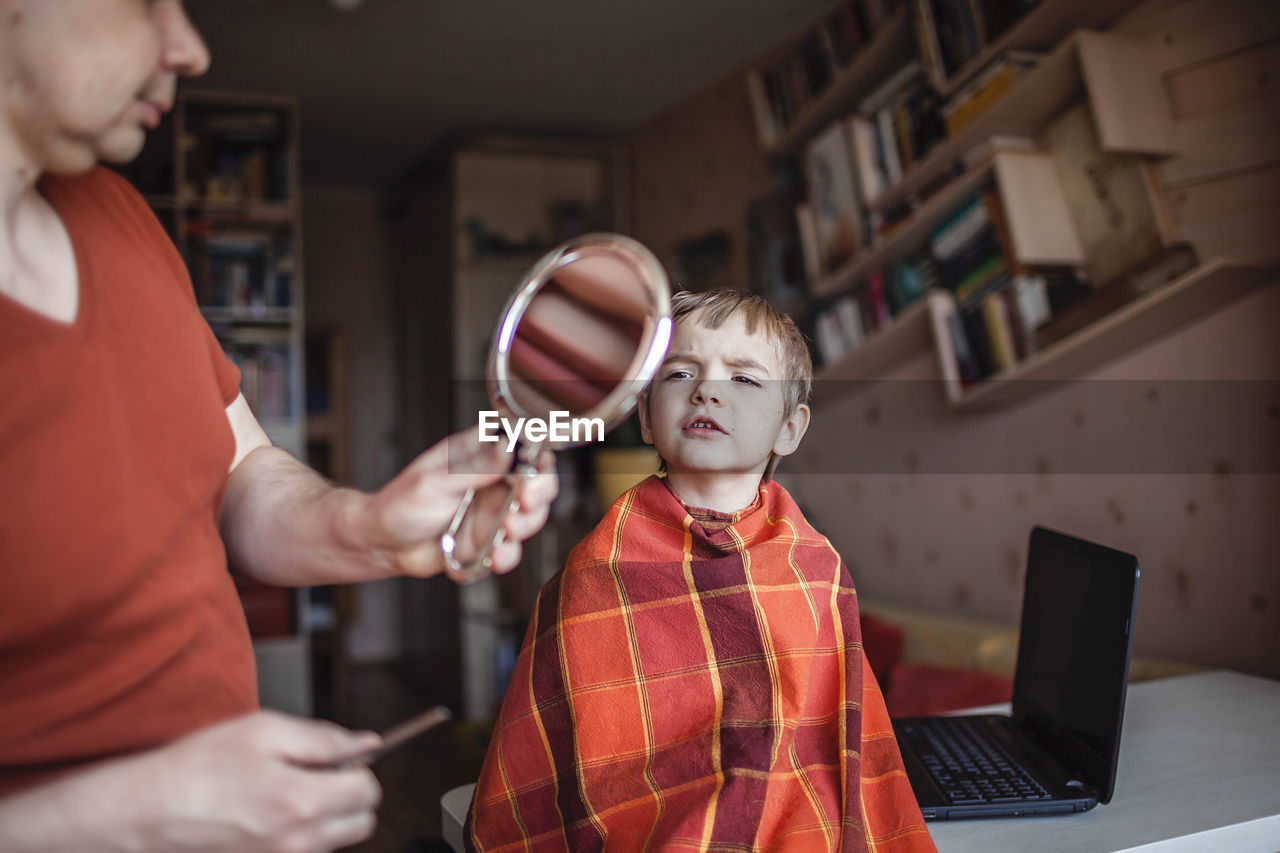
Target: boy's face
x=87, y=78
x=716, y=405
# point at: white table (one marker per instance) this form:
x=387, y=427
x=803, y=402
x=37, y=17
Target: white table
x=1199, y=771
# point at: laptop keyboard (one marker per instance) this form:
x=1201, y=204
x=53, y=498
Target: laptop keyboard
x=967, y=765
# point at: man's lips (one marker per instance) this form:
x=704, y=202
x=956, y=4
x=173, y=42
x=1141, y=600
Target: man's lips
x=704, y=426
x=153, y=113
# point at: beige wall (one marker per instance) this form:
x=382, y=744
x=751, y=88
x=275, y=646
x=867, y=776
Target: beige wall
x=1205, y=533
x=695, y=167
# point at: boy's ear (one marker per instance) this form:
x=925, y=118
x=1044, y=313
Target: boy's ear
x=792, y=430
x=642, y=409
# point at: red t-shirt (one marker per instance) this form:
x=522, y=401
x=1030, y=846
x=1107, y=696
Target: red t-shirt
x=120, y=627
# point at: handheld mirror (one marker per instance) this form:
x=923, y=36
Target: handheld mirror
x=581, y=336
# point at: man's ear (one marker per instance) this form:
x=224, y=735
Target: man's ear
x=642, y=409
x=792, y=430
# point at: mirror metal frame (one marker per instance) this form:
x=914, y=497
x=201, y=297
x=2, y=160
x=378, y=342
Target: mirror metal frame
x=616, y=406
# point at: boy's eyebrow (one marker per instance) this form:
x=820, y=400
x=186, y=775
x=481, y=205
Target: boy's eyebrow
x=744, y=362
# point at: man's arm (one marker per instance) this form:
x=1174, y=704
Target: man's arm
x=284, y=524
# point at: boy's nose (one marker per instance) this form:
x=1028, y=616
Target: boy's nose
x=182, y=50
x=705, y=392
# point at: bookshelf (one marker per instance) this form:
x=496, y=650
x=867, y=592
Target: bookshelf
x=1076, y=68
x=889, y=48
x=895, y=42
x=221, y=175
x=909, y=333
x=1114, y=75
x=1212, y=285
x=1042, y=27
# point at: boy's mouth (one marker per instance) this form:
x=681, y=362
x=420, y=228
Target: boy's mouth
x=702, y=424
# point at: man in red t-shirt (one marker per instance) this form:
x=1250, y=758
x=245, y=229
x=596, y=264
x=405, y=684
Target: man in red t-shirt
x=132, y=472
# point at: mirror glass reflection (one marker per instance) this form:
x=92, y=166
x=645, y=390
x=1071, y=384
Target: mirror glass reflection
x=583, y=339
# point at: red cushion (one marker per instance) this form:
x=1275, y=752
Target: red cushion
x=920, y=689
x=883, y=644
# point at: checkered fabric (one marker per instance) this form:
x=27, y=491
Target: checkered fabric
x=692, y=680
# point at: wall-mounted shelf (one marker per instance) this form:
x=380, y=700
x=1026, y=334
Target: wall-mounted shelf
x=890, y=49
x=1075, y=68
x=1205, y=289
x=1043, y=26
x=908, y=236
x=888, y=347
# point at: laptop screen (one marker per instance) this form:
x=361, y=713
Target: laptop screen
x=1073, y=650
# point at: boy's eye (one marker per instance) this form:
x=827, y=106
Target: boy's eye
x=746, y=380
x=677, y=374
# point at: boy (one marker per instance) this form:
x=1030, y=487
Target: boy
x=694, y=676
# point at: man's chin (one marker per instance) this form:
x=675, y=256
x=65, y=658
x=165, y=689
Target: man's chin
x=121, y=145
x=119, y=155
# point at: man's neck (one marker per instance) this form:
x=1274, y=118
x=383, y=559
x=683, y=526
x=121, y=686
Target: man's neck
x=18, y=176
x=721, y=492
x=37, y=267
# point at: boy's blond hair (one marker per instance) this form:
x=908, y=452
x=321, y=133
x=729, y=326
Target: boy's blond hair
x=713, y=307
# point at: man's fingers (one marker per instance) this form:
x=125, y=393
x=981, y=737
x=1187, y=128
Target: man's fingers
x=506, y=557
x=347, y=830
x=467, y=456
x=520, y=526
x=315, y=743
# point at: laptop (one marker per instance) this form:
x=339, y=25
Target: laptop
x=1057, y=752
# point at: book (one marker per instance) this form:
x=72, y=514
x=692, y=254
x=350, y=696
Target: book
x=1113, y=198
x=844, y=32
x=888, y=146
x=960, y=113
x=833, y=197
x=998, y=332
x=850, y=321
x=956, y=34
x=1032, y=294
x=910, y=279
x=925, y=123
x=966, y=362
x=862, y=142
x=828, y=337
x=807, y=230
x=888, y=91
x=982, y=279
x=877, y=312
x=1017, y=326
x=928, y=45
x=982, y=247
x=817, y=63
x=958, y=230
x=838, y=329
x=766, y=118
x=975, y=332
x=775, y=269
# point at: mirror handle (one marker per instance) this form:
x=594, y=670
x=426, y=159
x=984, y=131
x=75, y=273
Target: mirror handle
x=482, y=567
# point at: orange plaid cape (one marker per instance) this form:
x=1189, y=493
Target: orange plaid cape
x=692, y=680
